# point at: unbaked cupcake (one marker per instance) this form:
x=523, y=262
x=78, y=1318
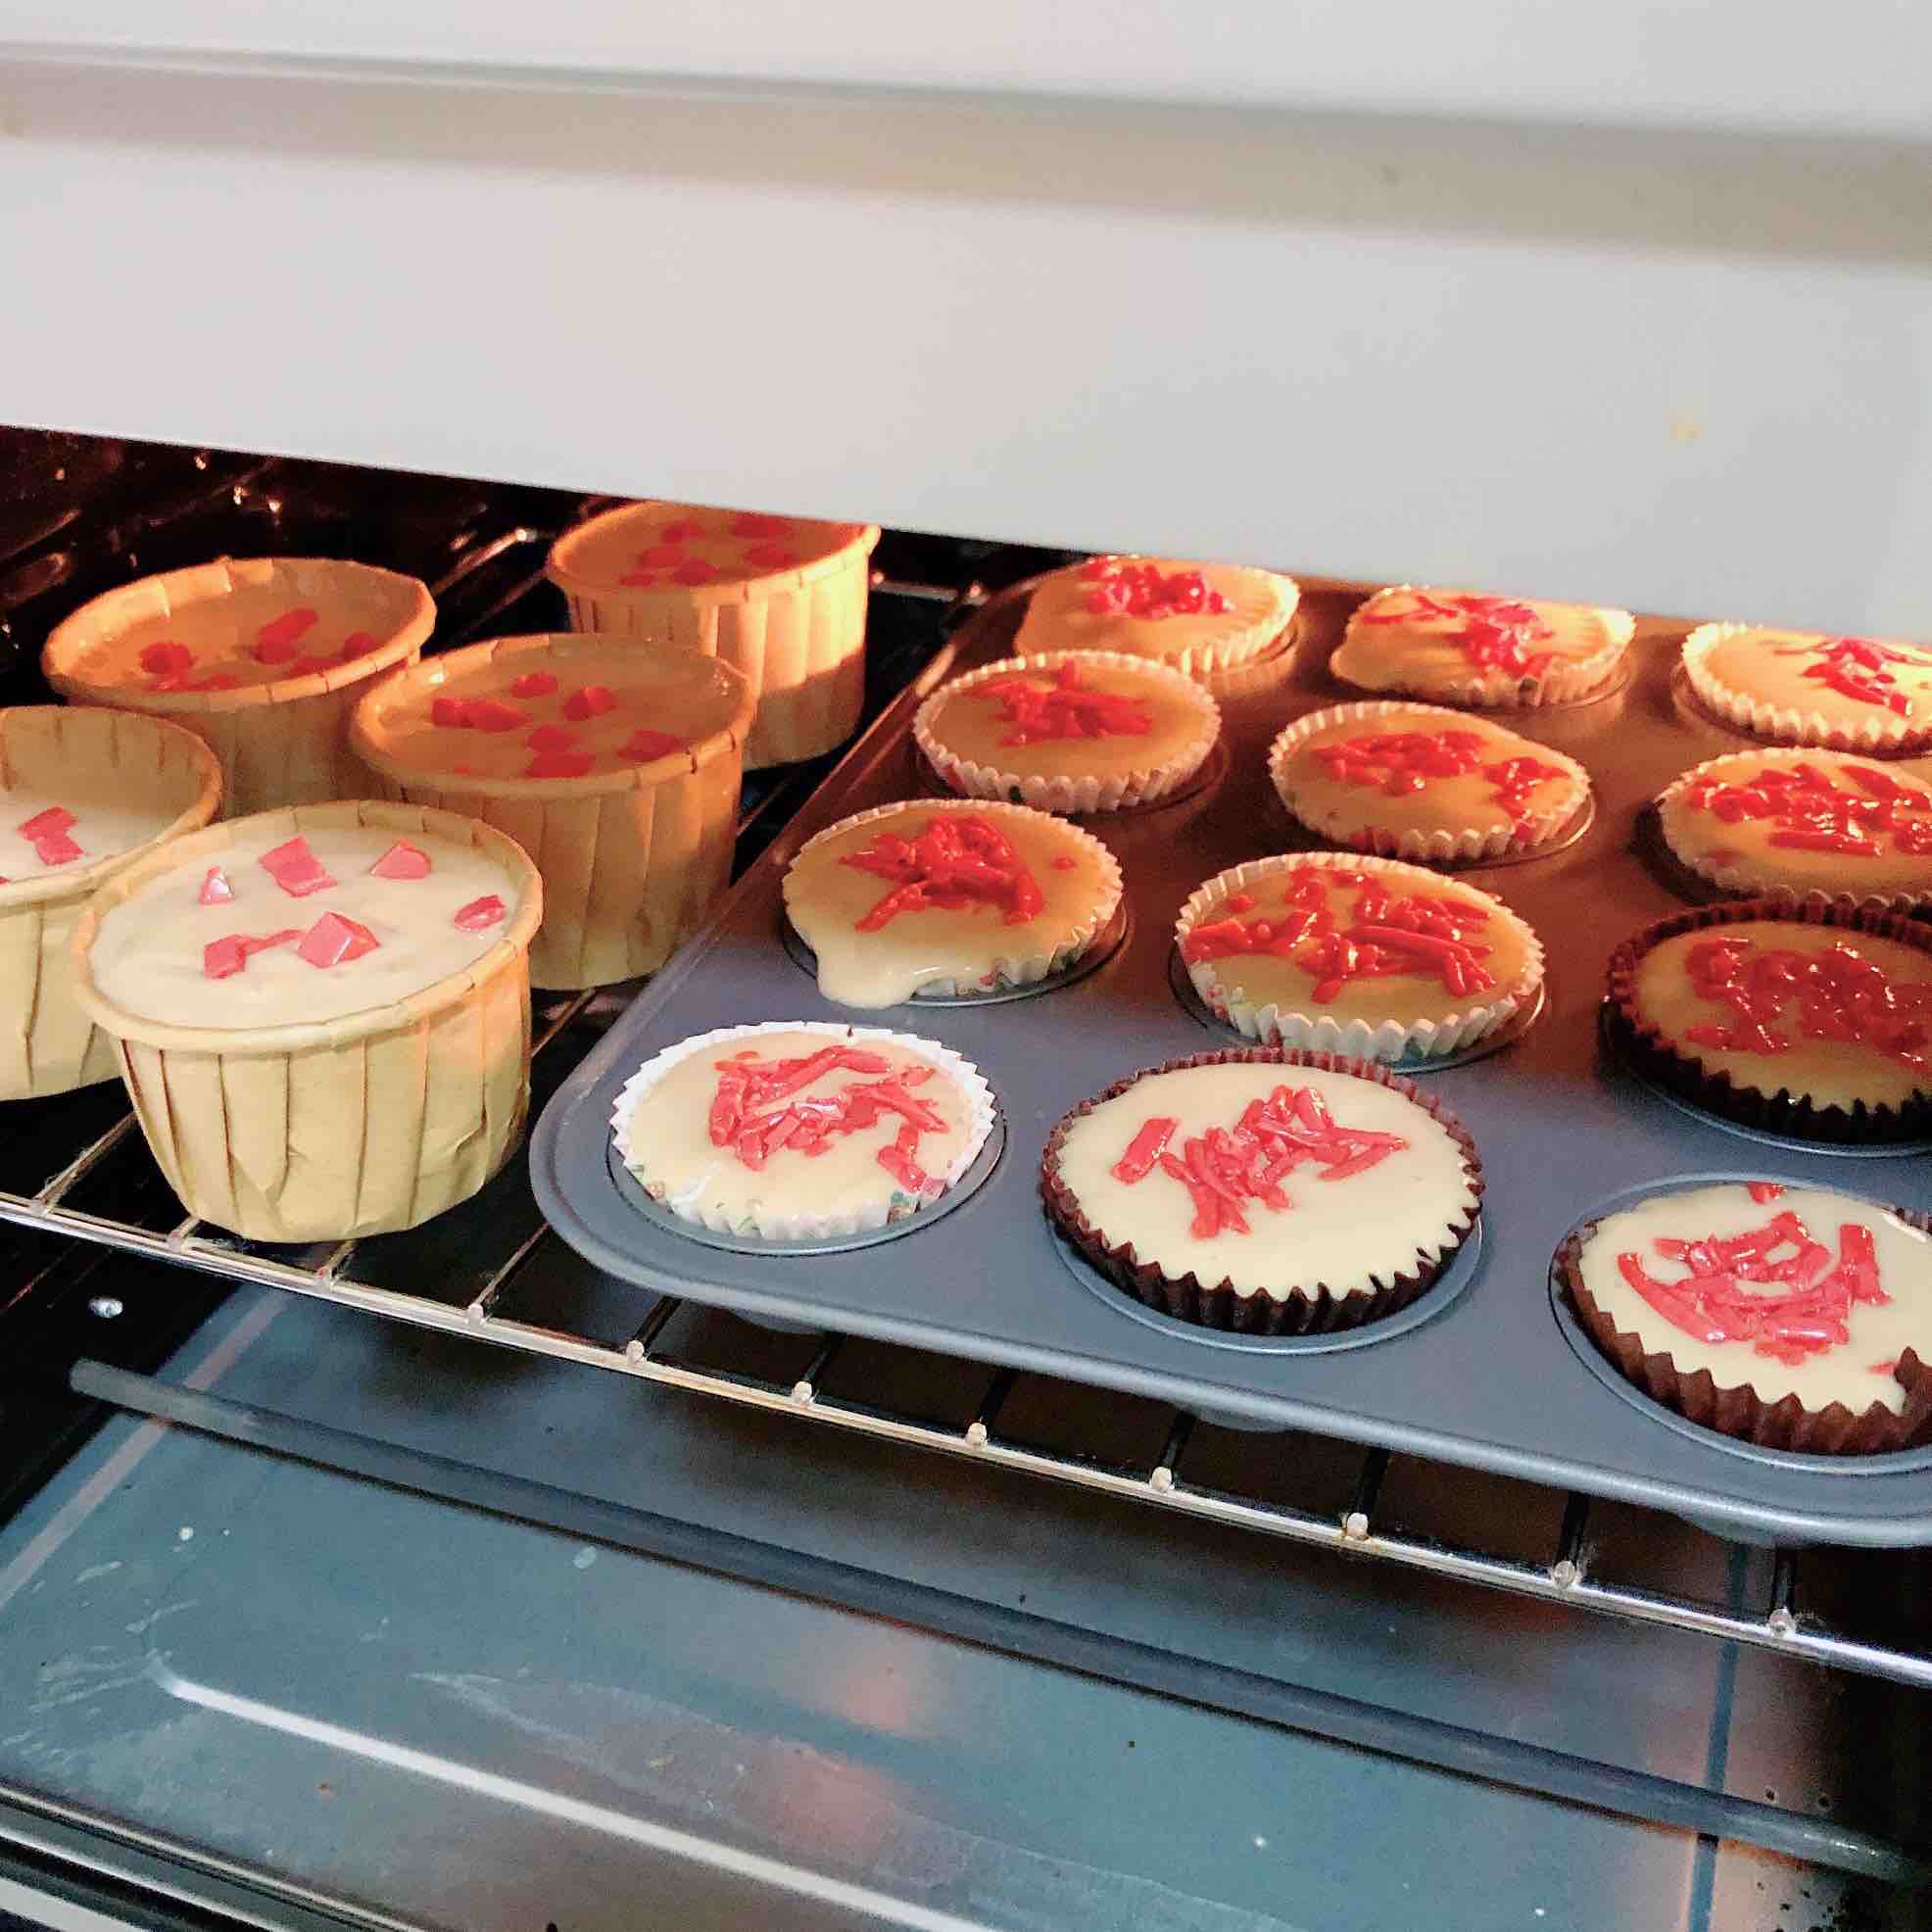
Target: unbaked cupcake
x=83, y=793
x=1461, y=648
x=617, y=769
x=800, y=1130
x=1803, y=1019
x=1077, y=731
x=781, y=598
x=322, y=1015
x=1195, y=617
x=1803, y=822
x=1264, y=1192
x=263, y=658
x=950, y=898
x=1789, y=1316
x=1363, y=957
x=1850, y=694
x=1417, y=782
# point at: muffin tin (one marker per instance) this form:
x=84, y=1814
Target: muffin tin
x=1485, y=1377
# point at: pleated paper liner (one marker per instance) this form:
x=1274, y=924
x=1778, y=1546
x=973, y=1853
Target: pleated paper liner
x=1297, y=1308
x=798, y=636
x=283, y=742
x=48, y=1043
x=1880, y=735
x=632, y=858
x=363, y=1124
x=1713, y=1091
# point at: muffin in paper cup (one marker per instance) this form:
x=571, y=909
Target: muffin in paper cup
x=616, y=770
x=1174, y=725
x=1463, y=647
x=1419, y=1017
x=284, y=1097
x=1868, y=1086
x=782, y=600
x=702, y=1141
x=833, y=901
x=1791, y=824
x=261, y=658
x=1402, y=1187
x=1453, y=812
x=111, y=787
x=1803, y=688
x=1869, y=1394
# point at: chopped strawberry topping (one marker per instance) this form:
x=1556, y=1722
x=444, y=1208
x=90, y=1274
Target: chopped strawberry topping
x=359, y=644
x=680, y=532
x=401, y=860
x=756, y=523
x=214, y=888
x=222, y=958
x=1807, y=811
x=957, y=861
x=660, y=556
x=694, y=570
x=1402, y=763
x=589, y=700
x=560, y=764
x=638, y=580
x=771, y=556
x=295, y=868
x=275, y=641
x=1763, y=1190
x=479, y=915
x=1066, y=708
x=533, y=684
x=1144, y=1150
x=1493, y=631
x=1860, y=668
x=644, y=745
x=333, y=939
x=476, y=714
x=166, y=659
x=551, y=738
x=47, y=832
x=1115, y=588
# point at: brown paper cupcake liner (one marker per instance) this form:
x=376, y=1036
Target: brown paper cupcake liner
x=48, y=1043
x=319, y=1131
x=1071, y=795
x=282, y=742
x=1782, y=724
x=797, y=637
x=1648, y=1052
x=1301, y=1310
x=1440, y=844
x=1740, y=1411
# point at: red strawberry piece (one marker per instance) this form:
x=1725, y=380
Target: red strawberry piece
x=493, y=714
x=696, y=571
x=659, y=556
x=295, y=868
x=644, y=745
x=533, y=684
x=56, y=848
x=551, y=738
x=590, y=701
x=359, y=644
x=214, y=888
x=754, y=523
x=772, y=556
x=46, y=824
x=638, y=580
x=221, y=958
x=332, y=940
x=165, y=657
x=558, y=764
x=479, y=915
x=401, y=860
x=452, y=714
x=282, y=634
x=680, y=532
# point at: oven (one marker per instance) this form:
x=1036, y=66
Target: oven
x=451, y=1579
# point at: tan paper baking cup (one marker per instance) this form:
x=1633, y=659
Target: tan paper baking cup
x=1237, y=646
x=1441, y=844
x=1740, y=1411
x=1652, y=1054
x=280, y=744
x=1322, y=1033
x=1567, y=683
x=1020, y=969
x=1296, y=1308
x=1781, y=724
x=798, y=636
x=632, y=859
x=321, y=1130
x=48, y=1044
x=1117, y=791
x=1755, y=873
x=768, y=1222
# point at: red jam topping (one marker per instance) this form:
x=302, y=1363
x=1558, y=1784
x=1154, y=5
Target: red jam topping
x=1858, y=667
x=167, y=658
x=1118, y=588
x=1493, y=631
x=589, y=700
x=959, y=861
x=1386, y=935
x=401, y=860
x=1808, y=813
x=533, y=684
x=275, y=641
x=222, y=958
x=560, y=764
x=1226, y=1168
x=1067, y=708
x=47, y=832
x=747, y=1118
x=332, y=940
x=476, y=714
x=1401, y=763
x=479, y=915
x=1836, y=995
x=214, y=888
x=295, y=868
x=1800, y=1295
x=644, y=745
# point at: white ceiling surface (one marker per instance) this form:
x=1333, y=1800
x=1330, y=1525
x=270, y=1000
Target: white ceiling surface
x=1685, y=368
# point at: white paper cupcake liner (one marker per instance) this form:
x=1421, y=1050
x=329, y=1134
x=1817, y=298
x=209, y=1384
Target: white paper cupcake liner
x=1008, y=970
x=1565, y=683
x=1072, y=795
x=1443, y=845
x=770, y=1223
x=1322, y=1033
x=1754, y=875
x=1786, y=724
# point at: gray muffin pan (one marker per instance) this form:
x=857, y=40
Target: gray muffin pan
x=1485, y=1369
